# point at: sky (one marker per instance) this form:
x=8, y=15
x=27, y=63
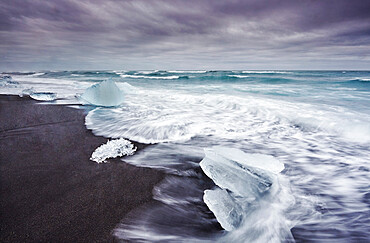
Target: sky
x=184, y=34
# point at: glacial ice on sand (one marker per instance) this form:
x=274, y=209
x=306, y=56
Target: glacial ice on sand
x=247, y=186
x=226, y=210
x=247, y=175
x=112, y=149
x=43, y=96
x=261, y=161
x=26, y=92
x=106, y=93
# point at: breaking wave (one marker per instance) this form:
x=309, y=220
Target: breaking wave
x=154, y=117
x=149, y=77
x=239, y=76
x=266, y=72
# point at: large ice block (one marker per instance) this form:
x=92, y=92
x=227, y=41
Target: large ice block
x=105, y=93
x=245, y=181
x=227, y=212
x=243, y=176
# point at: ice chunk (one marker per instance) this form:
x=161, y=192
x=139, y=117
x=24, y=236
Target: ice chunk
x=248, y=183
x=242, y=177
x=105, y=93
x=27, y=92
x=112, y=149
x=261, y=161
x=127, y=88
x=227, y=212
x=43, y=96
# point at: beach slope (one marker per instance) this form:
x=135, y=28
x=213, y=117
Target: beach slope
x=50, y=190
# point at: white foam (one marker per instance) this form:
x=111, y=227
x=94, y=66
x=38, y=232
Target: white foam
x=364, y=79
x=149, y=77
x=36, y=74
x=238, y=76
x=112, y=149
x=161, y=116
x=147, y=72
x=7, y=81
x=265, y=72
x=190, y=71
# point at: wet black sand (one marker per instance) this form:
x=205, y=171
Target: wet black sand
x=50, y=190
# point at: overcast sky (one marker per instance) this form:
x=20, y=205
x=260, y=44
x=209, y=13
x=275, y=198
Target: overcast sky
x=186, y=34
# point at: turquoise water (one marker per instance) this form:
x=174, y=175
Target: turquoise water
x=315, y=122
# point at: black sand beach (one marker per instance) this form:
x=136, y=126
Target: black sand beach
x=50, y=190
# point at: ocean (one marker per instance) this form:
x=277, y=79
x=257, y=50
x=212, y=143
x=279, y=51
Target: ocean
x=285, y=154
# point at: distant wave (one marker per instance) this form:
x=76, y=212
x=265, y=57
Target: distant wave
x=150, y=77
x=23, y=73
x=36, y=74
x=362, y=79
x=190, y=71
x=265, y=72
x=238, y=76
x=148, y=72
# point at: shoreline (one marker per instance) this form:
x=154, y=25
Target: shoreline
x=50, y=190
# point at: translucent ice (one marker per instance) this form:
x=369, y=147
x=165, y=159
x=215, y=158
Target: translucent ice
x=43, y=96
x=105, y=93
x=27, y=92
x=247, y=175
x=127, y=88
x=227, y=212
x=248, y=186
x=261, y=161
x=112, y=149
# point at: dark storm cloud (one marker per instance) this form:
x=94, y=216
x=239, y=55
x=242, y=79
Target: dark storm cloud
x=71, y=34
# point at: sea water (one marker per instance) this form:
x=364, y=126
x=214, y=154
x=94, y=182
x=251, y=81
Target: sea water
x=315, y=125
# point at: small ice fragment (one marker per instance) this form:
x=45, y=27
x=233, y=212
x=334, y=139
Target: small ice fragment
x=26, y=92
x=105, y=93
x=227, y=212
x=112, y=149
x=43, y=96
